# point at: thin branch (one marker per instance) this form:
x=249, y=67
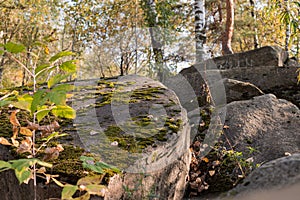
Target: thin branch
x=20, y=63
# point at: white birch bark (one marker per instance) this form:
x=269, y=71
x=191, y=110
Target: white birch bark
x=200, y=36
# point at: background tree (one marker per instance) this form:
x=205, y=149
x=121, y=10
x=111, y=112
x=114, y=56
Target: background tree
x=200, y=33
x=29, y=23
x=253, y=15
x=227, y=38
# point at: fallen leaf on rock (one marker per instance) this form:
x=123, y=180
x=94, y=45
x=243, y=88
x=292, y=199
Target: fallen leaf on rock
x=52, y=153
x=216, y=163
x=92, y=132
x=25, y=145
x=14, y=142
x=226, y=127
x=41, y=170
x=13, y=118
x=45, y=129
x=202, y=123
x=25, y=131
x=15, y=132
x=212, y=172
x=250, y=160
x=198, y=180
x=205, y=159
x=114, y=143
x=4, y=141
x=287, y=154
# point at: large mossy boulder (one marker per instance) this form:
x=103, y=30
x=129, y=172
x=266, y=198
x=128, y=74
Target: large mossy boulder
x=131, y=122
x=138, y=125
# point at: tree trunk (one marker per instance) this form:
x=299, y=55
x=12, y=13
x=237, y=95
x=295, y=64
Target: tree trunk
x=200, y=36
x=227, y=37
x=1, y=68
x=253, y=15
x=288, y=27
x=156, y=43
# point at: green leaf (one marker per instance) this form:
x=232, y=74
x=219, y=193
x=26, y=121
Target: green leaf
x=42, y=113
x=56, y=79
x=44, y=164
x=4, y=165
x=23, y=175
x=1, y=52
x=22, y=164
x=57, y=182
x=95, y=189
x=41, y=67
x=106, y=166
x=88, y=163
x=24, y=102
x=93, y=168
x=4, y=103
x=38, y=100
x=64, y=112
x=60, y=55
x=57, y=97
x=86, y=158
x=90, y=180
x=54, y=135
x=14, y=48
x=22, y=170
x=68, y=66
x=64, y=87
x=68, y=191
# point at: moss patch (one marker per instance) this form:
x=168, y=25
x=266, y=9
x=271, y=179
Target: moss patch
x=145, y=133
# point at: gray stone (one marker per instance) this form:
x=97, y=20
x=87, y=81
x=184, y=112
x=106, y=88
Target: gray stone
x=268, y=125
x=158, y=170
x=264, y=72
x=265, y=78
x=276, y=174
x=265, y=56
x=238, y=90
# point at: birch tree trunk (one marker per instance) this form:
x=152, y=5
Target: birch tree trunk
x=200, y=36
x=288, y=26
x=253, y=15
x=227, y=37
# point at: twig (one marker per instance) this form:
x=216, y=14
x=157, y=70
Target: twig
x=20, y=63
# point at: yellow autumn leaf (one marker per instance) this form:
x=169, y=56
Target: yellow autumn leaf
x=25, y=131
x=205, y=159
x=46, y=50
x=15, y=132
x=13, y=118
x=14, y=142
x=4, y=141
x=69, y=96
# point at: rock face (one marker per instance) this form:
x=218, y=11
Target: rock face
x=268, y=125
x=138, y=125
x=261, y=127
x=277, y=174
x=238, y=90
x=262, y=67
x=268, y=56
